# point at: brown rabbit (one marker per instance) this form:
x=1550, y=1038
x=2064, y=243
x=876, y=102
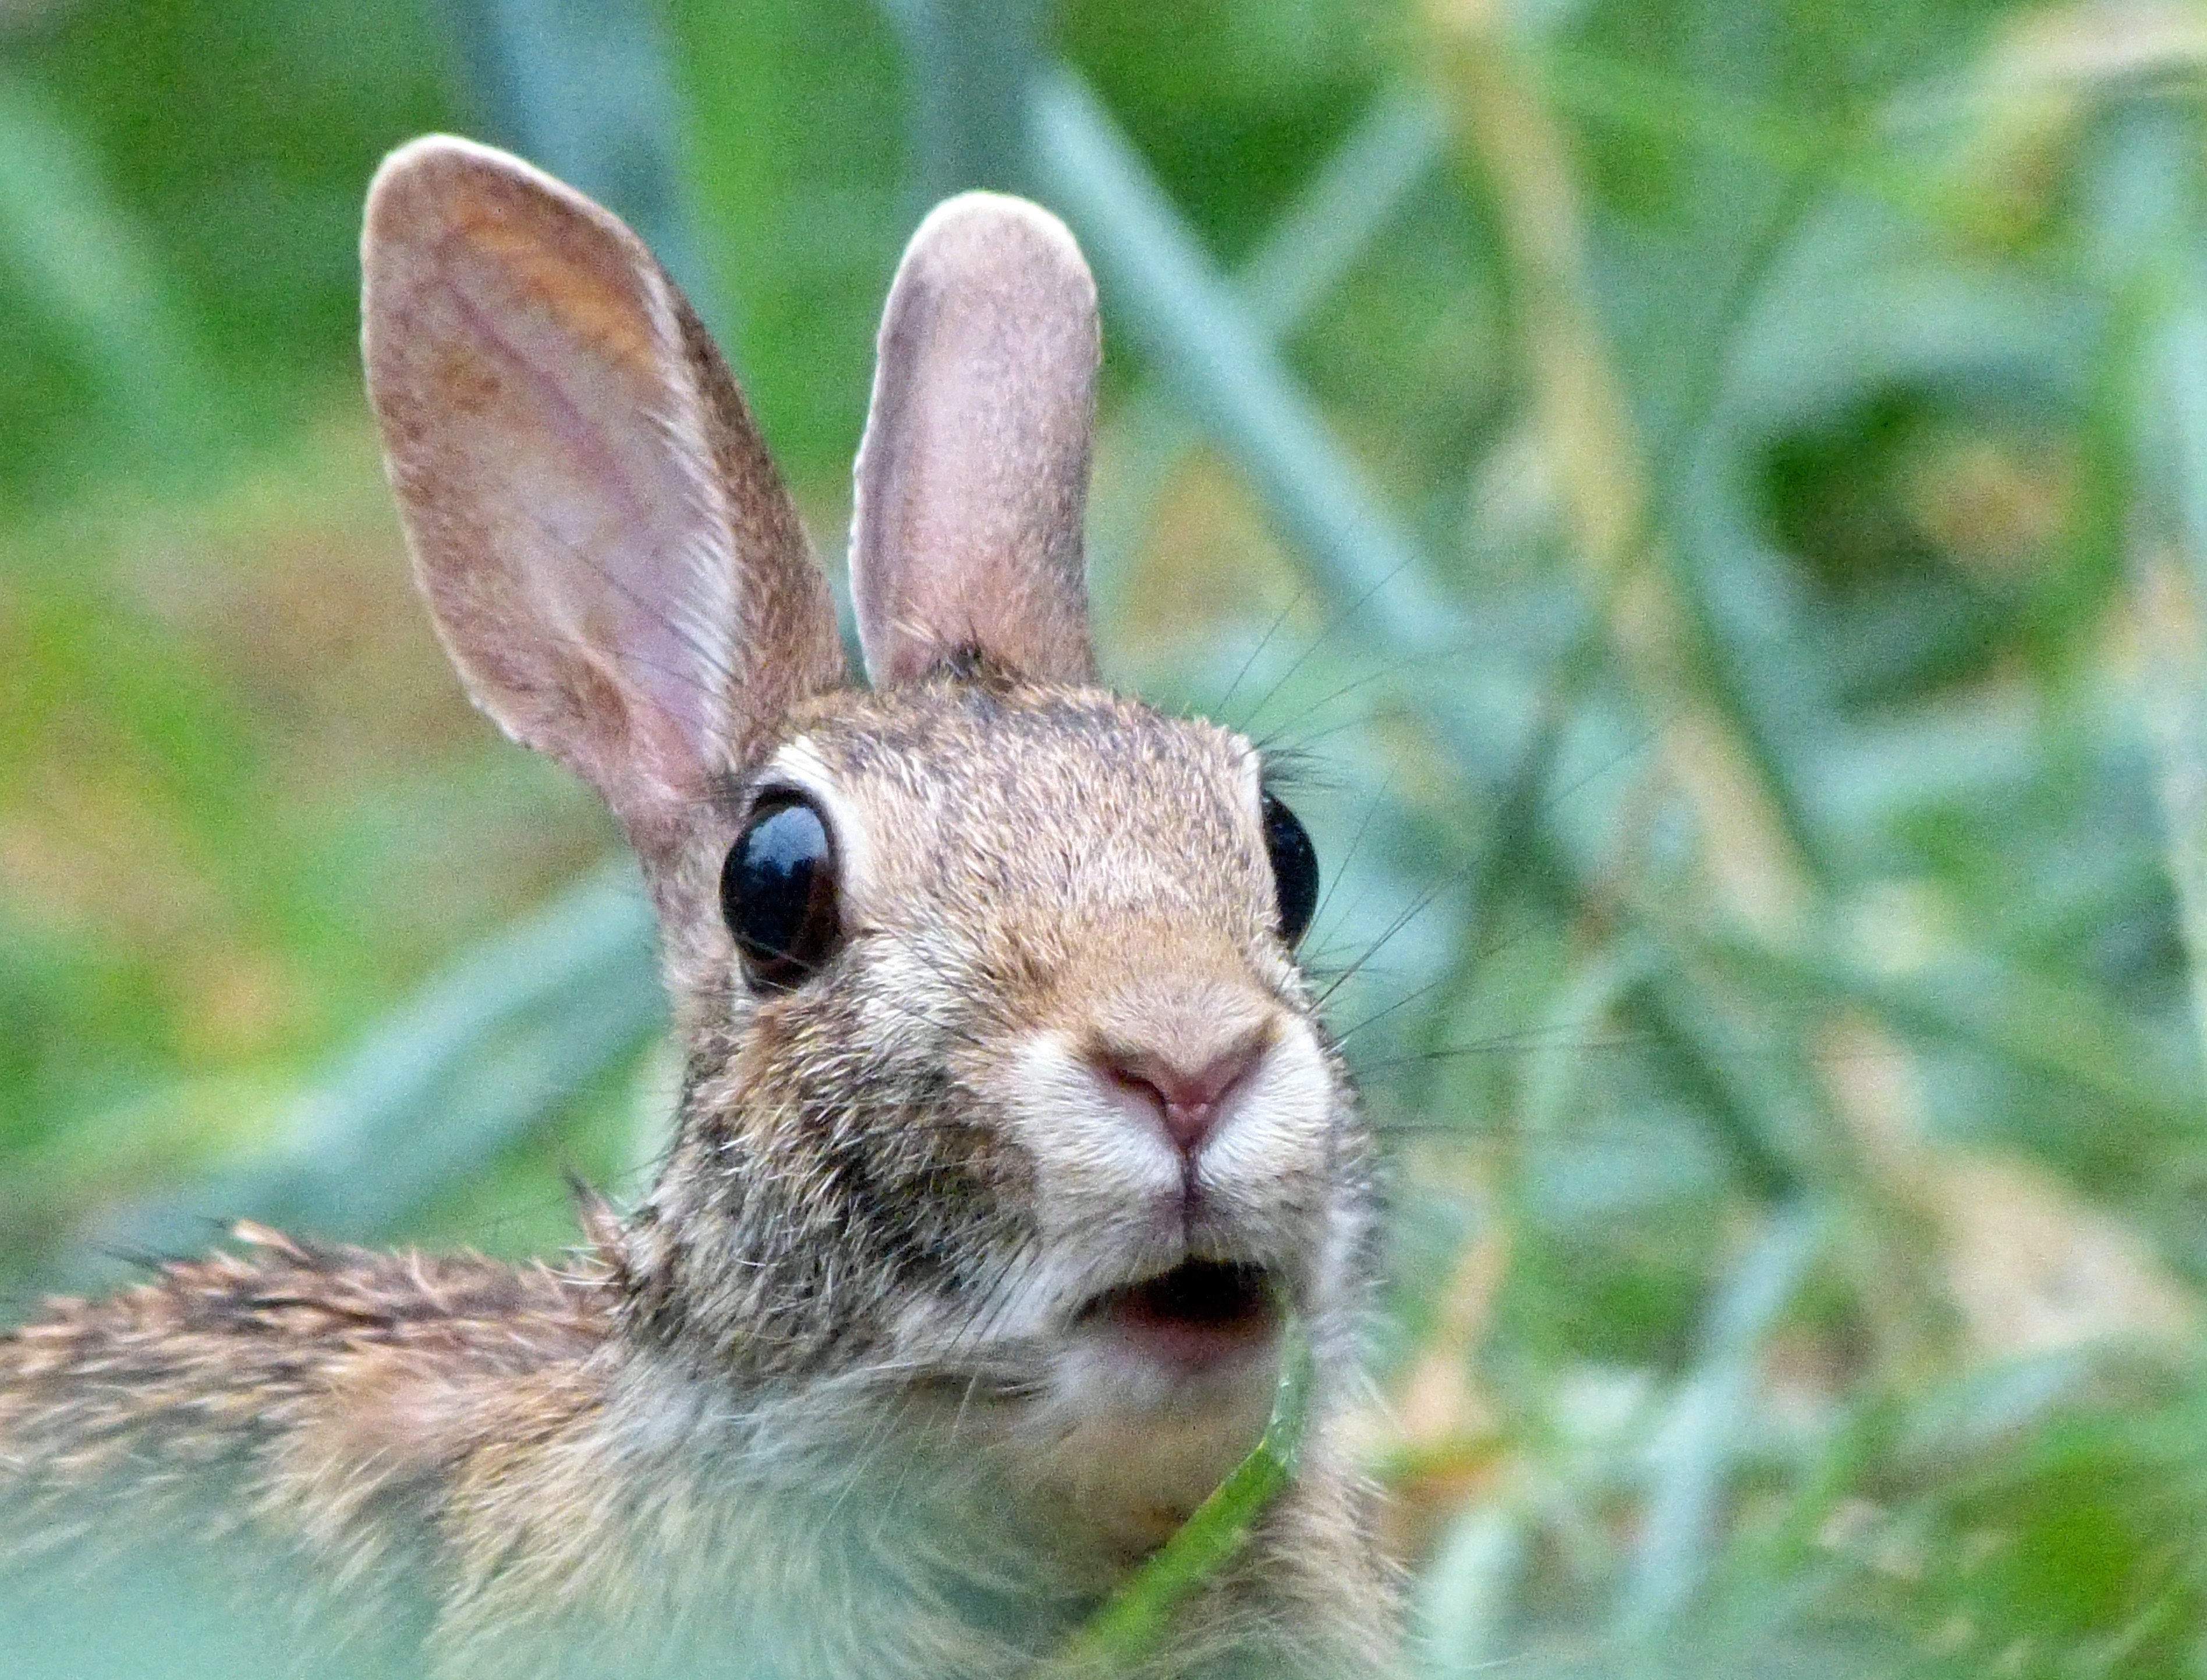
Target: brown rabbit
x=1007, y=1128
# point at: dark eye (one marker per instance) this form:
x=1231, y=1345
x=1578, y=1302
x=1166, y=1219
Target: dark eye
x=778, y=891
x=1295, y=868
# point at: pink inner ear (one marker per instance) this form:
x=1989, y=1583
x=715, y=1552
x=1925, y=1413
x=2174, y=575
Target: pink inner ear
x=555, y=462
x=613, y=514
x=605, y=546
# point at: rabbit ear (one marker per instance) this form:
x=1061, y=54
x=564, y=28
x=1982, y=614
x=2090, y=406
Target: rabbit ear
x=973, y=477
x=608, y=552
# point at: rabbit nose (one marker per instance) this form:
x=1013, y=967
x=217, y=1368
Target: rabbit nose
x=1187, y=1100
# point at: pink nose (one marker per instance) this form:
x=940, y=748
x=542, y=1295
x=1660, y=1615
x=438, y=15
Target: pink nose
x=1187, y=1100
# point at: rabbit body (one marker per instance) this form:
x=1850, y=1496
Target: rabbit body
x=453, y=1465
x=962, y=1284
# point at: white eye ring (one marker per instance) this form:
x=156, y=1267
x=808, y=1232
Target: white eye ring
x=799, y=765
x=1253, y=779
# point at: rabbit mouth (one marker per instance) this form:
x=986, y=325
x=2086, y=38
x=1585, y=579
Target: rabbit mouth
x=1198, y=1314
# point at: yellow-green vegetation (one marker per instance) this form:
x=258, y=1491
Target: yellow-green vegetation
x=1712, y=496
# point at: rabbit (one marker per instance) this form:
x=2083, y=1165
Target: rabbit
x=1008, y=1132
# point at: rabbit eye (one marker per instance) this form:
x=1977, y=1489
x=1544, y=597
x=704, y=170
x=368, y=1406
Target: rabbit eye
x=1295, y=868
x=778, y=892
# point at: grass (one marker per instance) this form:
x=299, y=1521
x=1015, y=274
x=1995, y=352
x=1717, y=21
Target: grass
x=1713, y=493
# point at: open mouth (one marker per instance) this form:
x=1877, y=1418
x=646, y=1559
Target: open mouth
x=1200, y=1312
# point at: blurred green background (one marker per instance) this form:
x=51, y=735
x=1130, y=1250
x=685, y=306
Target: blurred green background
x=1713, y=492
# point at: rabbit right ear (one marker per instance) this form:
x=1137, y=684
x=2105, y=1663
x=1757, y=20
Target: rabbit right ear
x=973, y=477
x=608, y=552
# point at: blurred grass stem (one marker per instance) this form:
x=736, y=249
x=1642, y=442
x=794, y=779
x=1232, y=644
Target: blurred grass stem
x=2170, y=576
x=1758, y=867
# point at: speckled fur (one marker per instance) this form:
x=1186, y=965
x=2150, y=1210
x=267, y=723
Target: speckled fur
x=809, y=1412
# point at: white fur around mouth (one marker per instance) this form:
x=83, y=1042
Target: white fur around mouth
x=1200, y=1313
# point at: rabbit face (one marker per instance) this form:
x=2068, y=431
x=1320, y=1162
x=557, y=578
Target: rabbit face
x=1049, y=1130
x=1074, y=952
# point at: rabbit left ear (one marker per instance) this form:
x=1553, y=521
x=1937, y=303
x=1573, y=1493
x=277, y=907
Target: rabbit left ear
x=973, y=478
x=608, y=551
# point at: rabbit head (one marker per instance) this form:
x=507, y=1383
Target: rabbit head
x=1003, y=1087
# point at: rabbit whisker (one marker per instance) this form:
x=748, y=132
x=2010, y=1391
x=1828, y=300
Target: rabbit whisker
x=1393, y=667
x=1340, y=622
x=1279, y=618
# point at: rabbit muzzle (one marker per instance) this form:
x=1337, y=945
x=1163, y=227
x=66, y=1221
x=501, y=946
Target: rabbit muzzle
x=1182, y=1160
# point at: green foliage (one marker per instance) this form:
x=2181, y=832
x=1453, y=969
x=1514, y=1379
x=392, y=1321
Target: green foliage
x=1711, y=492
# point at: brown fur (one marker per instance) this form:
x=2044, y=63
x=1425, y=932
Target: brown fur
x=834, y=1401
x=312, y=1411
x=339, y=1376
x=385, y=1429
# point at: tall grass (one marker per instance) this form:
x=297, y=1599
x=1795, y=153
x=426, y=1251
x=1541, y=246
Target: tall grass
x=1713, y=493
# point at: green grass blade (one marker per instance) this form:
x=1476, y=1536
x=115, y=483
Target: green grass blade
x=1331, y=221
x=2048, y=1029
x=1329, y=226
x=1131, y=1626
x=84, y=261
x=1681, y=1531
x=970, y=60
